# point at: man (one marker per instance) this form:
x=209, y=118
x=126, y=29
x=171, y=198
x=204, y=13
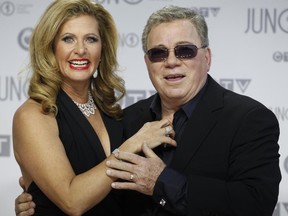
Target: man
x=226, y=161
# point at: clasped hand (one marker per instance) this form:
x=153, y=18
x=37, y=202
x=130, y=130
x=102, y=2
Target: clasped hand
x=139, y=173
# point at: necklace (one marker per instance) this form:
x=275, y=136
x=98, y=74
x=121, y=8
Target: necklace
x=87, y=108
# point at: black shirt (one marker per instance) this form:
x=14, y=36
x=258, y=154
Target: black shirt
x=171, y=187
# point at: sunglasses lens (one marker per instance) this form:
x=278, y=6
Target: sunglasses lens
x=185, y=51
x=157, y=54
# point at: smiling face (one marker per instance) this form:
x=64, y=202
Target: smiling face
x=78, y=49
x=176, y=80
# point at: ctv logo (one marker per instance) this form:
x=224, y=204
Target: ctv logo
x=4, y=145
x=242, y=84
x=132, y=96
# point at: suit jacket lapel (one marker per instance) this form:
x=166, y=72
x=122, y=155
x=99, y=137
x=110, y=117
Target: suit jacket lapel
x=134, y=119
x=203, y=120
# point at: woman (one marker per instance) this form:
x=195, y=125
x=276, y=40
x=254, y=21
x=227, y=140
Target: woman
x=64, y=133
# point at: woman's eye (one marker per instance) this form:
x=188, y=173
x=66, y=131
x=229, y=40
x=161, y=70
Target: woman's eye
x=91, y=39
x=67, y=39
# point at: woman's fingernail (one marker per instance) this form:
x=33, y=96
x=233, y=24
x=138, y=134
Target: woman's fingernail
x=115, y=151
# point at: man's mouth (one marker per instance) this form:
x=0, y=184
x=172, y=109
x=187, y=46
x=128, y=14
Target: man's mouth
x=174, y=77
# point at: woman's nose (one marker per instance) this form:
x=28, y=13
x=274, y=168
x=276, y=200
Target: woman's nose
x=80, y=48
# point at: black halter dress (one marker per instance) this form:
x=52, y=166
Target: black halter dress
x=84, y=150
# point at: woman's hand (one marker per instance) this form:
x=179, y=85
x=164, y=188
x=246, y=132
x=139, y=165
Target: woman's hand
x=152, y=134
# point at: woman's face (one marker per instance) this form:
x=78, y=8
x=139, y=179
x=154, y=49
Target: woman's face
x=78, y=49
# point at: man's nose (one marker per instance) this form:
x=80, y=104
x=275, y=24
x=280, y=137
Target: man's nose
x=171, y=58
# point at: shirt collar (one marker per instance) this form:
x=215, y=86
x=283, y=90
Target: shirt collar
x=188, y=107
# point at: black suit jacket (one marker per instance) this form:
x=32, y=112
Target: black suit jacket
x=228, y=152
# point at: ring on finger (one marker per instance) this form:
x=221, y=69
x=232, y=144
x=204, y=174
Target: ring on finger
x=131, y=177
x=167, y=131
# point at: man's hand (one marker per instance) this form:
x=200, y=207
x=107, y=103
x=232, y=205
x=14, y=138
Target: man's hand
x=139, y=172
x=24, y=206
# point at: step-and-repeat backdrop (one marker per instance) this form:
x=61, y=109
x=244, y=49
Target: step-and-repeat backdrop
x=249, y=42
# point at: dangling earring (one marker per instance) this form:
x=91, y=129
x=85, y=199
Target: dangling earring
x=95, y=74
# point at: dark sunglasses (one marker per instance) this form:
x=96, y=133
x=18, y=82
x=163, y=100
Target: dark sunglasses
x=184, y=51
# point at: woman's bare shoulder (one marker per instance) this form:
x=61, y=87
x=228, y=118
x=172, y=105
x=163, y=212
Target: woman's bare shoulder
x=31, y=112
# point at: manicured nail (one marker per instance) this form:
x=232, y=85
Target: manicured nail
x=115, y=151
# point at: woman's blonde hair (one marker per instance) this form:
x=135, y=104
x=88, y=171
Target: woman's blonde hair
x=107, y=88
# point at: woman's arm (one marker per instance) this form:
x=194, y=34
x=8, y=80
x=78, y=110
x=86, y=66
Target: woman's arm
x=42, y=159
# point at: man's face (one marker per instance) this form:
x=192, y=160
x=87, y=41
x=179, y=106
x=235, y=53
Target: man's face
x=177, y=80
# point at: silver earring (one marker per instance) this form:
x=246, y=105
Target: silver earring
x=95, y=74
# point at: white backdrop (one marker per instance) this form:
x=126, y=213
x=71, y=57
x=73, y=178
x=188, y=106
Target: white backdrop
x=249, y=42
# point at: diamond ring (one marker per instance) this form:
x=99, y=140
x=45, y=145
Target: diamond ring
x=167, y=130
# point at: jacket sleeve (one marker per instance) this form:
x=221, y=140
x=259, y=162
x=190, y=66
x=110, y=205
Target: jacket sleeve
x=252, y=183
